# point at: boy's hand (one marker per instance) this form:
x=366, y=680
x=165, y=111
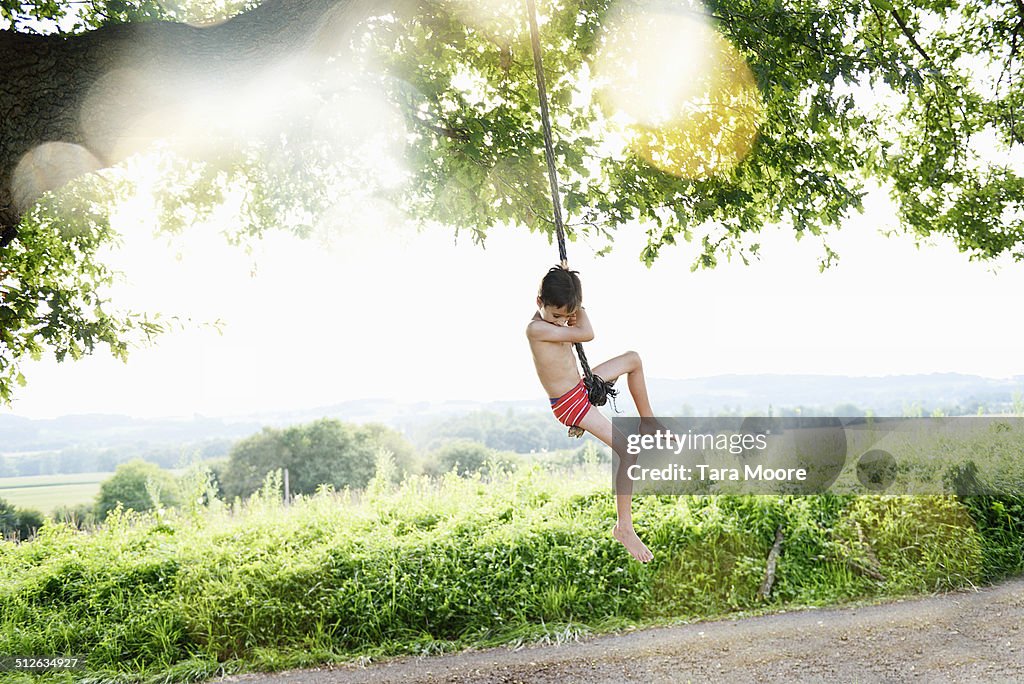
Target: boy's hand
x=572, y=319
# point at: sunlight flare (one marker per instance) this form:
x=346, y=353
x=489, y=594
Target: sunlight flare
x=49, y=167
x=490, y=15
x=330, y=130
x=684, y=96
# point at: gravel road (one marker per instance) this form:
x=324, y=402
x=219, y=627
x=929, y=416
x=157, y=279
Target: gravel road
x=975, y=636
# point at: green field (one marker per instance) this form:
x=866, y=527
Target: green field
x=44, y=493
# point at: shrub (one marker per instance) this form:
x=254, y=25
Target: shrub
x=137, y=485
x=81, y=516
x=462, y=455
x=324, y=452
x=19, y=523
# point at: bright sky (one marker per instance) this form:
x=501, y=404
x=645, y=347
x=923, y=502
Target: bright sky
x=383, y=311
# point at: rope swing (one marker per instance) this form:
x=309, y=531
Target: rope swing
x=598, y=389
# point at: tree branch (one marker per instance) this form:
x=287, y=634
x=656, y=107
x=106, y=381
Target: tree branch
x=881, y=25
x=1008, y=72
x=910, y=36
x=1012, y=54
x=446, y=131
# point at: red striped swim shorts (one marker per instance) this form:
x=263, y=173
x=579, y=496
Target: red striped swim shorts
x=570, y=408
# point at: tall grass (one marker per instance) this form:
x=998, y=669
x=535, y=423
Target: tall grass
x=1000, y=524
x=432, y=565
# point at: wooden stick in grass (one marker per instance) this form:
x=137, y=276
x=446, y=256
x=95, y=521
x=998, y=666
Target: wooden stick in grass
x=864, y=570
x=872, y=568
x=868, y=551
x=773, y=559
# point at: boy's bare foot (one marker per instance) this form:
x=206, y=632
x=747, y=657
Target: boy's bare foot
x=627, y=537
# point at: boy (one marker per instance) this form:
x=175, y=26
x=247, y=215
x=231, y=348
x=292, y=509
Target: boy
x=559, y=322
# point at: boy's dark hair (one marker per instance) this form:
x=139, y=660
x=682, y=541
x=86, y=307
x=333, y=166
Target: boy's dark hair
x=561, y=288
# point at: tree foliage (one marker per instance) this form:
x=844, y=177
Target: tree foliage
x=52, y=290
x=75, y=17
x=920, y=99
x=823, y=71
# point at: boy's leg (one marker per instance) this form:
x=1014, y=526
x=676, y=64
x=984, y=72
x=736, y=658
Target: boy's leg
x=631, y=365
x=598, y=425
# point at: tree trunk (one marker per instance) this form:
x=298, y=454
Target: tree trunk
x=83, y=92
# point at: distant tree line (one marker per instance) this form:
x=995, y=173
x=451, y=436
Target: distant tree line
x=84, y=459
x=522, y=432
x=517, y=431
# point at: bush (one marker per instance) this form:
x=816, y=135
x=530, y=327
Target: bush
x=19, y=523
x=81, y=516
x=462, y=455
x=139, y=486
x=323, y=452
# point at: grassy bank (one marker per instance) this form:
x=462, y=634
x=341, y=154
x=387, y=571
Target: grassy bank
x=435, y=565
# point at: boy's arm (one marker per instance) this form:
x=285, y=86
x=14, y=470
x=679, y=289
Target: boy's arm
x=578, y=330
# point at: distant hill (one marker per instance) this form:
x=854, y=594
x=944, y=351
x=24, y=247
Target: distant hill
x=888, y=395
x=85, y=431
x=97, y=441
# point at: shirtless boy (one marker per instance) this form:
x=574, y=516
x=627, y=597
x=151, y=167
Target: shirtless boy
x=561, y=321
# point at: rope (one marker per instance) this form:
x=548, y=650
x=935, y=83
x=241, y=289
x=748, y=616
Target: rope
x=598, y=390
x=545, y=118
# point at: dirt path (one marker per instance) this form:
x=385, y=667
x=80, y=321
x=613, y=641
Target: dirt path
x=962, y=637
